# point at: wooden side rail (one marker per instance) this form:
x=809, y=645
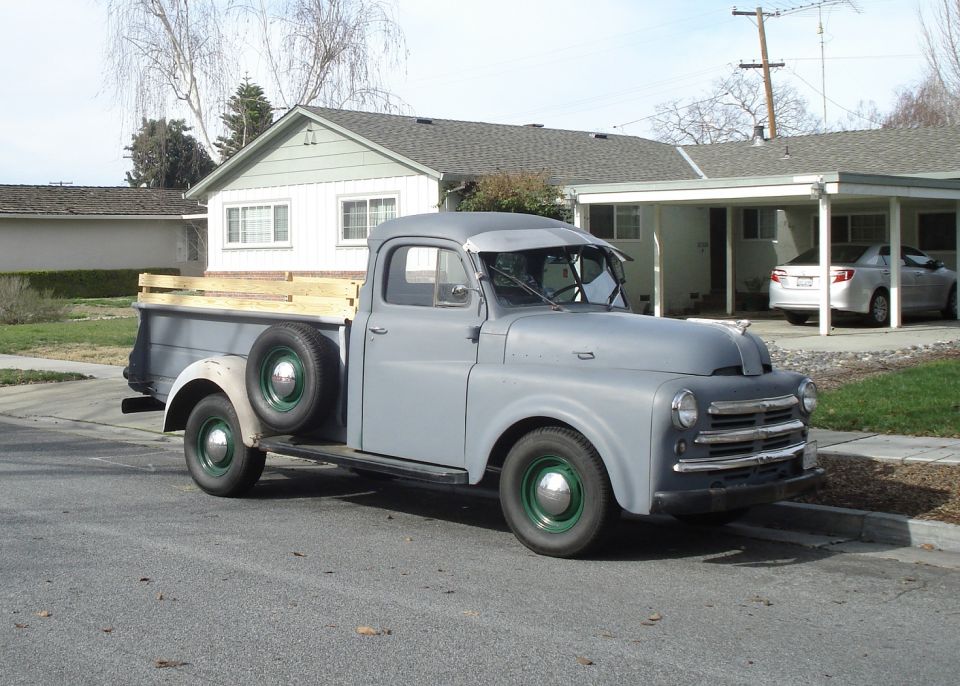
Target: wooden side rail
x=303, y=295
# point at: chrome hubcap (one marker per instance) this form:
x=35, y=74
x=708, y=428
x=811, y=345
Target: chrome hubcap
x=283, y=379
x=553, y=494
x=217, y=445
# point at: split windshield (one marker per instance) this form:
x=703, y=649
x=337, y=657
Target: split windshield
x=556, y=276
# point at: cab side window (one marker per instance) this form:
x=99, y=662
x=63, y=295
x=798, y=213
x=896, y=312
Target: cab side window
x=424, y=276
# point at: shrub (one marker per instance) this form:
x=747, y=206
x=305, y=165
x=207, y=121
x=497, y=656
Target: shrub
x=21, y=304
x=89, y=283
x=523, y=192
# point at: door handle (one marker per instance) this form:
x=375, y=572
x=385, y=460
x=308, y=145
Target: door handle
x=377, y=329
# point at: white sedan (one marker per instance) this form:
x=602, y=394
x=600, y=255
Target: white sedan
x=860, y=282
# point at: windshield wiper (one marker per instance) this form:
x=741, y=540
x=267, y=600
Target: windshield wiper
x=526, y=287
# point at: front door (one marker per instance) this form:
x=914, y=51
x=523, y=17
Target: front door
x=422, y=338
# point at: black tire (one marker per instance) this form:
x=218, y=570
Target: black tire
x=950, y=309
x=712, y=518
x=217, y=459
x=557, y=529
x=879, y=314
x=311, y=388
x=796, y=318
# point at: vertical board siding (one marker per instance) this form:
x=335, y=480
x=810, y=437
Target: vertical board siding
x=314, y=223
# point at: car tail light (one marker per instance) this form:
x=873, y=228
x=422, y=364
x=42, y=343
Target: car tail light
x=842, y=275
x=776, y=274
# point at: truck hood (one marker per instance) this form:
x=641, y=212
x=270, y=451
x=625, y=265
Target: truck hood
x=628, y=341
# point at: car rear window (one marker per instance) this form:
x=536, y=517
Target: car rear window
x=841, y=254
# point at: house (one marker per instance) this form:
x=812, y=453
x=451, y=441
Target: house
x=699, y=220
x=94, y=227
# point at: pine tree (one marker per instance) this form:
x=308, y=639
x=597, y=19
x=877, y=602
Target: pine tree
x=250, y=114
x=165, y=155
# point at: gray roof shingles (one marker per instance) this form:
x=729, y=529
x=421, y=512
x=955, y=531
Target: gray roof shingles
x=469, y=149
x=94, y=201
x=880, y=151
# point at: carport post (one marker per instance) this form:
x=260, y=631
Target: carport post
x=657, y=263
x=731, y=277
x=825, y=230
x=956, y=248
x=895, y=280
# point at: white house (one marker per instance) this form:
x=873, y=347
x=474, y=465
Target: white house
x=701, y=221
x=96, y=227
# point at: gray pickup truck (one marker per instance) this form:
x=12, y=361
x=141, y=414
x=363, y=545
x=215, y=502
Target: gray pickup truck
x=489, y=344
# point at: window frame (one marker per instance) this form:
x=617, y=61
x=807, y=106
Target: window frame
x=393, y=298
x=815, y=227
x=240, y=206
x=760, y=237
x=616, y=223
x=355, y=197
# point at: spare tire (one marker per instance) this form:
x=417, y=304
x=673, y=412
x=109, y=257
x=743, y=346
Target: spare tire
x=292, y=377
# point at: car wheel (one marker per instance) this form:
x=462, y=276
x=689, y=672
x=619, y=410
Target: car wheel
x=879, y=314
x=217, y=459
x=292, y=377
x=796, y=318
x=556, y=494
x=712, y=518
x=950, y=311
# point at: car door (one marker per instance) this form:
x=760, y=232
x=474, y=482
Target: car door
x=930, y=280
x=422, y=339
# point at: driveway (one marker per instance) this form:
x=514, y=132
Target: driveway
x=850, y=335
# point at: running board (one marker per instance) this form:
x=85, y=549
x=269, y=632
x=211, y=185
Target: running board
x=339, y=454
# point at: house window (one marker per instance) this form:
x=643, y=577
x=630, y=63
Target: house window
x=937, y=231
x=854, y=228
x=616, y=222
x=258, y=225
x=359, y=215
x=760, y=224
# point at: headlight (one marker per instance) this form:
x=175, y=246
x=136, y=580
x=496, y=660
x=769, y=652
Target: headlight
x=808, y=396
x=685, y=412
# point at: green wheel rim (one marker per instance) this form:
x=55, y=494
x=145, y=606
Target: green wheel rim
x=215, y=446
x=547, y=521
x=278, y=400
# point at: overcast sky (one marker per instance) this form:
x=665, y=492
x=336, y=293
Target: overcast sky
x=597, y=65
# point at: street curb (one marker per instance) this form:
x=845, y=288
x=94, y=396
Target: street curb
x=858, y=525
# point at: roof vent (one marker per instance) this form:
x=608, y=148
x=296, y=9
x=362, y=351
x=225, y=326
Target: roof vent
x=534, y=126
x=424, y=120
x=758, y=138
x=600, y=136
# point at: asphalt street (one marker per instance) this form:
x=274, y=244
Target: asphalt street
x=115, y=568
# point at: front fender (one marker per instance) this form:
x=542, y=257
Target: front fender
x=611, y=408
x=224, y=374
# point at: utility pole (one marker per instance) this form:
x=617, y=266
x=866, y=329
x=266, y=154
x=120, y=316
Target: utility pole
x=764, y=63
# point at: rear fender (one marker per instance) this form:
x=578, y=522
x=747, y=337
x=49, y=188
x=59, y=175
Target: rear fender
x=223, y=374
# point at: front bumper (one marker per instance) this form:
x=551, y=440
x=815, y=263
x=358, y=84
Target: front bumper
x=735, y=497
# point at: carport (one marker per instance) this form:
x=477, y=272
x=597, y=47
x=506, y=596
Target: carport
x=823, y=193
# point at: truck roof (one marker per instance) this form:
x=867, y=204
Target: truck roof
x=460, y=226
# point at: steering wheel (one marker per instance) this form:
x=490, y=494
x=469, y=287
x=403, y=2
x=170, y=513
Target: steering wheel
x=572, y=286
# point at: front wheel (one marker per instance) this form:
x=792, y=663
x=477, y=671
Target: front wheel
x=555, y=493
x=217, y=459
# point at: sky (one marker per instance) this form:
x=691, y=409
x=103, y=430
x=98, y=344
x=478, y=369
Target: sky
x=601, y=65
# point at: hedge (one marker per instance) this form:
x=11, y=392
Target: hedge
x=89, y=283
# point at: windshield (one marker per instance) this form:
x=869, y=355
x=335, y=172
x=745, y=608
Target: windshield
x=555, y=276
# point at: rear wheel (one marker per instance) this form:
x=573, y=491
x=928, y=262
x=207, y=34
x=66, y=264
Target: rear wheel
x=555, y=493
x=796, y=318
x=879, y=314
x=950, y=310
x=216, y=457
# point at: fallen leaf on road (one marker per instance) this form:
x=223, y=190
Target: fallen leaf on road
x=367, y=631
x=928, y=546
x=43, y=613
x=165, y=664
x=22, y=626
x=655, y=617
x=145, y=579
x=584, y=661
x=407, y=539
x=296, y=554
x=107, y=629
x=159, y=596
x=763, y=601
x=471, y=613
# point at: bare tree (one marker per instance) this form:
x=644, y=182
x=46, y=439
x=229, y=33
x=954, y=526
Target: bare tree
x=170, y=54
x=729, y=112
x=169, y=50
x=331, y=52
x=927, y=104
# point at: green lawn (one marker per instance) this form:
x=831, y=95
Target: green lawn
x=101, y=332
x=920, y=401
x=18, y=377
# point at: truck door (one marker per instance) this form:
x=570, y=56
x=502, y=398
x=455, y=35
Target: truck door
x=422, y=337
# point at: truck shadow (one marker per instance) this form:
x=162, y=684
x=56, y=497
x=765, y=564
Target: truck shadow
x=632, y=539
